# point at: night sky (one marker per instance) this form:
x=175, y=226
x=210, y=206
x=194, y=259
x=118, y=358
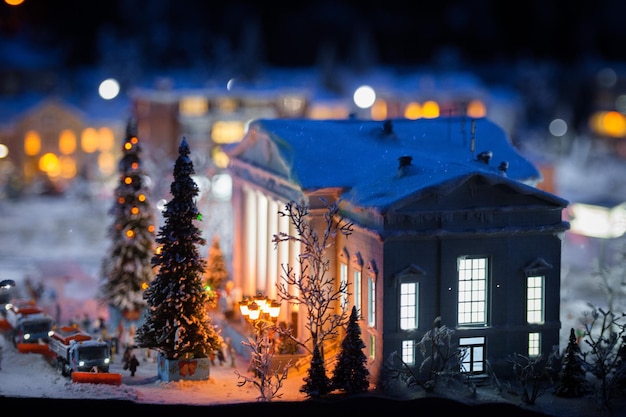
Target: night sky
x=180, y=33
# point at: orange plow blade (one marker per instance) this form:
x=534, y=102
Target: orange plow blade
x=42, y=349
x=4, y=325
x=97, y=378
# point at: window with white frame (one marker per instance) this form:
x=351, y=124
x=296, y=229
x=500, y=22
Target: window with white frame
x=535, y=299
x=343, y=282
x=472, y=305
x=534, y=344
x=372, y=347
x=371, y=302
x=408, y=352
x=357, y=291
x=408, y=305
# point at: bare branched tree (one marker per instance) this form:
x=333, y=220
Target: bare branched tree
x=311, y=285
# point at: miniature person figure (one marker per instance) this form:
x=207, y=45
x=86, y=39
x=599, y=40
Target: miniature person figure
x=133, y=363
x=126, y=358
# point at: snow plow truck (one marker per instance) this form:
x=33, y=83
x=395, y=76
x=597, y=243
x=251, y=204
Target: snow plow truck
x=29, y=326
x=86, y=359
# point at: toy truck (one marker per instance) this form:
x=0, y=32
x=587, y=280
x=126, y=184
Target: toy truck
x=84, y=358
x=29, y=326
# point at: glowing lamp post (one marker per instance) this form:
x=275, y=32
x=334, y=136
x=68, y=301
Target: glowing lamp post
x=260, y=311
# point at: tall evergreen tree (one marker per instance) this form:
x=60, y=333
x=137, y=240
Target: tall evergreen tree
x=127, y=269
x=351, y=373
x=178, y=325
x=216, y=272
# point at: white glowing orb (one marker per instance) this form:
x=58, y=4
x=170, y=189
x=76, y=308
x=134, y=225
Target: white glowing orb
x=364, y=96
x=109, y=89
x=222, y=187
x=4, y=151
x=160, y=205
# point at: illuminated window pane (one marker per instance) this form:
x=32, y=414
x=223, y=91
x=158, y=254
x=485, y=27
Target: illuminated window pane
x=67, y=142
x=68, y=167
x=472, y=296
x=371, y=302
x=107, y=163
x=379, y=110
x=476, y=109
x=413, y=111
x=193, y=106
x=535, y=299
x=224, y=132
x=408, y=352
x=89, y=140
x=106, y=139
x=357, y=291
x=408, y=305
x=32, y=143
x=430, y=109
x=534, y=344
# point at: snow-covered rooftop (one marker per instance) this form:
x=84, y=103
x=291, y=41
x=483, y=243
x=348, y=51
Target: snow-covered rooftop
x=363, y=157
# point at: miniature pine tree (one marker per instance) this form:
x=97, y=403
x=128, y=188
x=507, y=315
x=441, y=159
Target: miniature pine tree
x=178, y=325
x=351, y=373
x=216, y=272
x=316, y=383
x=127, y=269
x=572, y=382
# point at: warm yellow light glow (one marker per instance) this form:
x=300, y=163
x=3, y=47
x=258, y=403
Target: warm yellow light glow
x=430, y=109
x=130, y=233
x=14, y=2
x=476, y=109
x=4, y=150
x=68, y=167
x=134, y=210
x=49, y=163
x=141, y=197
x=128, y=180
x=413, y=111
x=274, y=309
x=32, y=143
x=106, y=163
x=223, y=132
x=254, y=311
x=106, y=139
x=89, y=140
x=614, y=124
x=322, y=111
x=379, y=110
x=158, y=250
x=193, y=106
x=220, y=158
x=151, y=228
x=128, y=146
x=67, y=142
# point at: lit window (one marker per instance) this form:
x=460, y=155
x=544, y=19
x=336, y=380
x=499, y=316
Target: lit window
x=408, y=305
x=357, y=291
x=343, y=279
x=225, y=132
x=67, y=142
x=106, y=139
x=89, y=140
x=371, y=299
x=476, y=109
x=472, y=290
x=379, y=110
x=408, y=352
x=32, y=143
x=193, y=106
x=413, y=111
x=534, y=299
x=534, y=344
x=430, y=109
x=372, y=347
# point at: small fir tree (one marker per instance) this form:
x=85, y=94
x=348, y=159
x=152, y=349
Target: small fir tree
x=216, y=273
x=351, y=374
x=316, y=383
x=178, y=325
x=127, y=269
x=572, y=381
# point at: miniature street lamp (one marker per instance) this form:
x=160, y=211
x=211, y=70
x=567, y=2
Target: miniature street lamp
x=260, y=311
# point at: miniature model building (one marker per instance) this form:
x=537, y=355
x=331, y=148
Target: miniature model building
x=448, y=223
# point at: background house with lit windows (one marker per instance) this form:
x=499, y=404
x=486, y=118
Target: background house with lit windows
x=448, y=222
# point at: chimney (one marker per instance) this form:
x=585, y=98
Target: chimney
x=404, y=161
x=485, y=157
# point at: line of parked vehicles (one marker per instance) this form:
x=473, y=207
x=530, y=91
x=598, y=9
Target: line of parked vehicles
x=72, y=351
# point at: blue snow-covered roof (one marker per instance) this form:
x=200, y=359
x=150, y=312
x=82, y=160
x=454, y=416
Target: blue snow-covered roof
x=362, y=158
